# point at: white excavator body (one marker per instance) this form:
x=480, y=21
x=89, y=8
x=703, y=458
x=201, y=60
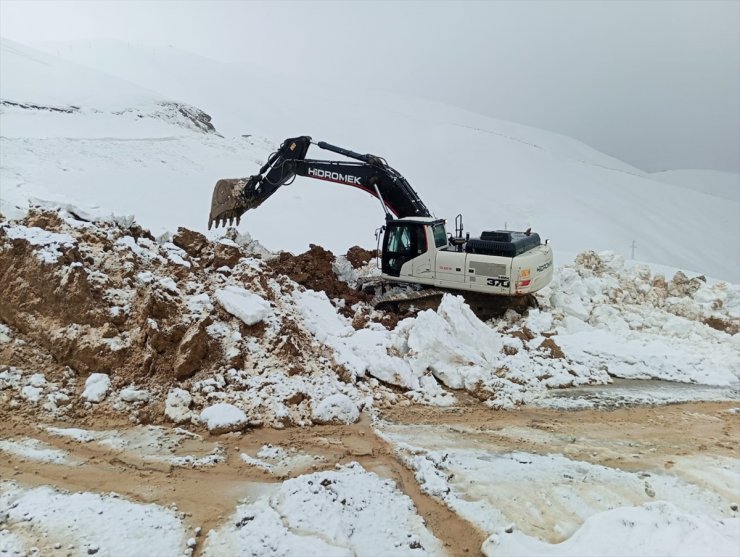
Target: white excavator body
x=419, y=250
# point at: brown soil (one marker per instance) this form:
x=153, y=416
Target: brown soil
x=66, y=312
x=359, y=257
x=731, y=327
x=522, y=334
x=313, y=269
x=659, y=436
x=552, y=349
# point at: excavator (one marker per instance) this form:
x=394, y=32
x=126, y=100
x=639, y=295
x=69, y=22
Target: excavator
x=419, y=261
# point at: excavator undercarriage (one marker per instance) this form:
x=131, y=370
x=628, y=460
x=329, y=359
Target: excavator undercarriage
x=404, y=299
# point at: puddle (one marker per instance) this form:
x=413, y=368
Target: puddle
x=636, y=392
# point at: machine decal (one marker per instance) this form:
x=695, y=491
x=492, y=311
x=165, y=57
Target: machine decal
x=336, y=176
x=498, y=282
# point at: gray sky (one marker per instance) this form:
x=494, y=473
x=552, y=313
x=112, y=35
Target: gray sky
x=655, y=83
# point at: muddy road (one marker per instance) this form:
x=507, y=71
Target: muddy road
x=172, y=467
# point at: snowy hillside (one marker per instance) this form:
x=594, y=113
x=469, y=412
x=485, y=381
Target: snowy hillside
x=496, y=173
x=725, y=185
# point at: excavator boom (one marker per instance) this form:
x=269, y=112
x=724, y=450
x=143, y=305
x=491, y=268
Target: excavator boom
x=233, y=197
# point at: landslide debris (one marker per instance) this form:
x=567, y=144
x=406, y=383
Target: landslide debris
x=206, y=318
x=314, y=269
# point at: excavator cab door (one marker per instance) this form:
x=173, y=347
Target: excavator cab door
x=403, y=241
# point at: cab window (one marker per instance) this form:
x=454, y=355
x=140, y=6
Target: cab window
x=440, y=235
x=399, y=239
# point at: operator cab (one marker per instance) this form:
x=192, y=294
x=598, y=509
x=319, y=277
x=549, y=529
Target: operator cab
x=408, y=238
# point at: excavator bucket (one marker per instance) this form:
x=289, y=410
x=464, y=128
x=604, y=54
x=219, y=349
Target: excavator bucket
x=228, y=203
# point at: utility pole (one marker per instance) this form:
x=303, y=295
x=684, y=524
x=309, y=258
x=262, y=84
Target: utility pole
x=633, y=246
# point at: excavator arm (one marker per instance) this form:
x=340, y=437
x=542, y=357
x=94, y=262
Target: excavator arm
x=233, y=197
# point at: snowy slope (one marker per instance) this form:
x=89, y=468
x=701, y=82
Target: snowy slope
x=496, y=173
x=725, y=185
x=32, y=76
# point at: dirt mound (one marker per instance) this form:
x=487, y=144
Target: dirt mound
x=313, y=269
x=359, y=257
x=207, y=319
x=96, y=306
x=104, y=297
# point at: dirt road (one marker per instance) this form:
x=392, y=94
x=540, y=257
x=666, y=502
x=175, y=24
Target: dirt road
x=142, y=464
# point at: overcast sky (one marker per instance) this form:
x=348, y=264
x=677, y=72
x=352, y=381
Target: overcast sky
x=655, y=83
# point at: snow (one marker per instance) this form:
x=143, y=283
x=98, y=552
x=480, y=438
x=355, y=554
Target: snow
x=31, y=394
x=149, y=445
x=724, y=185
x=337, y=408
x=168, y=284
x=319, y=315
x=450, y=345
x=36, y=450
x=5, y=334
x=76, y=434
x=177, y=405
x=247, y=306
x=131, y=394
x=65, y=157
x=51, y=243
x=559, y=506
x=87, y=520
x=27, y=74
x=97, y=386
x=650, y=530
x=200, y=303
x=281, y=462
x=338, y=512
x=223, y=417
x=638, y=325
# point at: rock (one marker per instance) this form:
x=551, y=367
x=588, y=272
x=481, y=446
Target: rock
x=225, y=254
x=336, y=409
x=223, y=418
x=177, y=406
x=130, y=394
x=192, y=350
x=96, y=387
x=192, y=242
x=247, y=306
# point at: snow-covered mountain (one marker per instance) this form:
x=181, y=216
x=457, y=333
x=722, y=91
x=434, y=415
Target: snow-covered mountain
x=724, y=185
x=495, y=173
